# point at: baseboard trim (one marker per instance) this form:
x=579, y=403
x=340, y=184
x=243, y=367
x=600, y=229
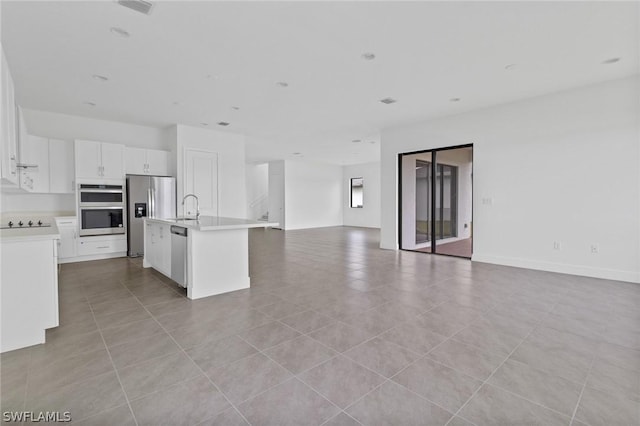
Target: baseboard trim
x=586, y=271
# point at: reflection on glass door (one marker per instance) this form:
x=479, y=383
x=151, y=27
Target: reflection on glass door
x=446, y=201
x=423, y=202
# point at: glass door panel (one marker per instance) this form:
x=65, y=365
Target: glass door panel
x=416, y=202
x=453, y=202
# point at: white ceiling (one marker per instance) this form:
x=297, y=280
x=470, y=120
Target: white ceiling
x=210, y=56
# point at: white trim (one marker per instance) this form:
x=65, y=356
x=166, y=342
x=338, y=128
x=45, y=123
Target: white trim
x=587, y=271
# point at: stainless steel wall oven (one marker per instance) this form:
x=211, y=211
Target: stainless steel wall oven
x=101, y=209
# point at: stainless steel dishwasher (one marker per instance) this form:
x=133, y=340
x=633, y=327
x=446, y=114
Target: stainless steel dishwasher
x=179, y=255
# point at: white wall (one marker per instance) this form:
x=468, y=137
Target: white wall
x=68, y=127
x=369, y=215
x=277, y=213
x=313, y=195
x=562, y=167
x=257, y=178
x=232, y=200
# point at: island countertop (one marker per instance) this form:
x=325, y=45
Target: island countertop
x=214, y=223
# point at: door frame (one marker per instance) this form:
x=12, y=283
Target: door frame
x=433, y=151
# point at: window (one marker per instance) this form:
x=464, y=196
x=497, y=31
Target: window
x=356, y=193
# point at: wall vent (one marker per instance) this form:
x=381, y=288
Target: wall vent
x=388, y=101
x=223, y=123
x=137, y=5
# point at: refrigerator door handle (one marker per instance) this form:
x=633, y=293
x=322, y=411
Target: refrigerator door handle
x=149, y=205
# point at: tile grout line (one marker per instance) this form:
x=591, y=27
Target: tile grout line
x=190, y=359
x=584, y=386
x=104, y=342
x=501, y=364
x=293, y=376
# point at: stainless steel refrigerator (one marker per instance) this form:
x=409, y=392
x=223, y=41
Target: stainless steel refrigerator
x=147, y=196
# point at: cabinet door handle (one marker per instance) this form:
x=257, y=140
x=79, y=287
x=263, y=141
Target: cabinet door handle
x=66, y=223
x=102, y=247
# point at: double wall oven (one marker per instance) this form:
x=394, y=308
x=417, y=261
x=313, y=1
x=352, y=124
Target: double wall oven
x=101, y=209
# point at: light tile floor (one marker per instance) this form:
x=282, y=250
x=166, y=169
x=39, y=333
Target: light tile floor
x=336, y=331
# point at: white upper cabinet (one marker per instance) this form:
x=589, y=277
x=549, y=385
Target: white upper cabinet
x=88, y=163
x=98, y=160
x=157, y=162
x=112, y=161
x=61, y=167
x=34, y=163
x=8, y=128
x=135, y=161
x=146, y=162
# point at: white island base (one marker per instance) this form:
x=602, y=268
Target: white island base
x=217, y=253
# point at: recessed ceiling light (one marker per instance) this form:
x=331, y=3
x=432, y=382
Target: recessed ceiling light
x=88, y=103
x=510, y=67
x=454, y=100
x=100, y=77
x=356, y=141
x=204, y=124
x=120, y=32
x=141, y=6
x=223, y=123
x=282, y=84
x=388, y=101
x=368, y=56
x=611, y=61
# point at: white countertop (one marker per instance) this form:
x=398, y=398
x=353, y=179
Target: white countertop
x=30, y=234
x=215, y=223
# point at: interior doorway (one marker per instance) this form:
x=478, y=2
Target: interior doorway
x=435, y=207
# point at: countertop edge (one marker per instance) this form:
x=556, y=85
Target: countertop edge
x=198, y=227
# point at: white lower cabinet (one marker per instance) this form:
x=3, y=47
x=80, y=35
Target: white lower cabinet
x=157, y=250
x=92, y=246
x=29, y=302
x=68, y=243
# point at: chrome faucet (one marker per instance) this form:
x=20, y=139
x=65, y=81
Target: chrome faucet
x=197, y=205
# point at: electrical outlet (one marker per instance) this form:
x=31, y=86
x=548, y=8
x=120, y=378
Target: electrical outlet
x=595, y=248
x=557, y=245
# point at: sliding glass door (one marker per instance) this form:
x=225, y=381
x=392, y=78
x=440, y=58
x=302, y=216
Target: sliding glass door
x=435, y=207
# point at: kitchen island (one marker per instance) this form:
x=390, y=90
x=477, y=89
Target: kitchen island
x=29, y=285
x=216, y=257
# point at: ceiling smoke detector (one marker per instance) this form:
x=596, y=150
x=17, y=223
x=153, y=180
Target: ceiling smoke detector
x=120, y=32
x=510, y=67
x=282, y=84
x=296, y=153
x=100, y=77
x=368, y=56
x=141, y=6
x=454, y=100
x=611, y=61
x=388, y=101
x=88, y=103
x=235, y=108
x=223, y=123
